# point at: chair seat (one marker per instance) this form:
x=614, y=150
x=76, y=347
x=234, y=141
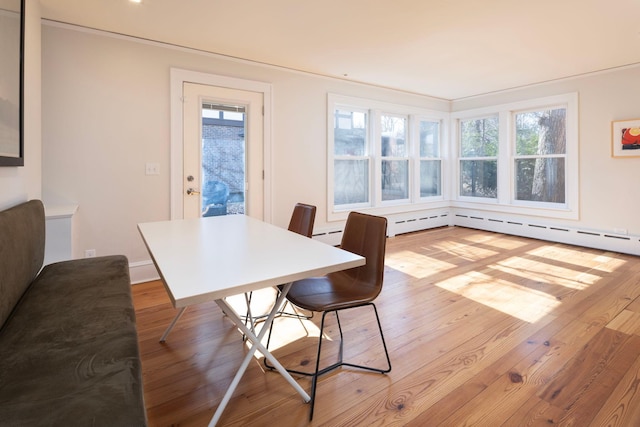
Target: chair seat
x=332, y=292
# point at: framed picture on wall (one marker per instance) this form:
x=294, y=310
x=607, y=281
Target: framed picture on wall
x=11, y=82
x=625, y=138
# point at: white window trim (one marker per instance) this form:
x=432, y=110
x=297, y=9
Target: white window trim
x=505, y=201
x=376, y=205
x=443, y=143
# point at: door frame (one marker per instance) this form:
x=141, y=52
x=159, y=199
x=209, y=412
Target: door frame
x=178, y=77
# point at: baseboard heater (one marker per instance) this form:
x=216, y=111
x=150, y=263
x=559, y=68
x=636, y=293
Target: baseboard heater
x=417, y=221
x=397, y=224
x=538, y=230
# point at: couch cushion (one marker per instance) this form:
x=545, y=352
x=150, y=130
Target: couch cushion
x=21, y=252
x=69, y=352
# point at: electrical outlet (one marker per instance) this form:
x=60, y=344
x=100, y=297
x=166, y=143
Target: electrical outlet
x=90, y=253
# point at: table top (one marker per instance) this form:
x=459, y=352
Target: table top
x=205, y=259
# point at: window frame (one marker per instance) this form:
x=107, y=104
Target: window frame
x=515, y=157
x=460, y=159
x=375, y=110
x=506, y=199
x=441, y=158
x=368, y=156
x=389, y=158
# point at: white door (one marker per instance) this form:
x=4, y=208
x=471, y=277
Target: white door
x=222, y=151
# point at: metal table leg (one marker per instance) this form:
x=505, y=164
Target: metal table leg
x=173, y=323
x=256, y=345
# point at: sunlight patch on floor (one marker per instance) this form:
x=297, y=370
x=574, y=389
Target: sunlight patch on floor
x=545, y=274
x=286, y=329
x=527, y=287
x=464, y=251
x=609, y=264
x=416, y=265
x=600, y=263
x=496, y=241
x=505, y=296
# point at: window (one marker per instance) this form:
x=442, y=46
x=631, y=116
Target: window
x=394, y=158
x=351, y=158
x=383, y=157
x=540, y=159
x=430, y=160
x=479, y=157
x=521, y=156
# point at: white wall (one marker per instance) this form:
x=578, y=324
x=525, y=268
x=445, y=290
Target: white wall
x=609, y=198
x=106, y=113
x=18, y=184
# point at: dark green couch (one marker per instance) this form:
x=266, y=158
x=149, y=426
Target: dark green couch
x=68, y=343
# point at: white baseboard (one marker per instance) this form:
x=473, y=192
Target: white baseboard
x=396, y=224
x=500, y=223
x=538, y=229
x=143, y=271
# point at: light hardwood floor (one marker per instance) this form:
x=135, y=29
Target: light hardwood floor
x=483, y=329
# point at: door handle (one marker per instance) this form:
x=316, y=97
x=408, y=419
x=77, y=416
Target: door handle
x=192, y=191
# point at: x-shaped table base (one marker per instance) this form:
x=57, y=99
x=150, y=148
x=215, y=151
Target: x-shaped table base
x=256, y=345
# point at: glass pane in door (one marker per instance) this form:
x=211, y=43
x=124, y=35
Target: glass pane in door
x=223, y=159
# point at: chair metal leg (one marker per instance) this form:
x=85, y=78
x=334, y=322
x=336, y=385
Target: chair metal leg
x=318, y=372
x=314, y=377
x=384, y=345
x=295, y=313
x=282, y=312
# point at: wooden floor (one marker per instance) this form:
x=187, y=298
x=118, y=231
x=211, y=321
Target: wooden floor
x=483, y=329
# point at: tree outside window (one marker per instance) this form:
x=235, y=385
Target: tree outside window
x=395, y=158
x=541, y=145
x=479, y=141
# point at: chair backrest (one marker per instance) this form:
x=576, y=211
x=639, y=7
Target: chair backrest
x=366, y=235
x=302, y=219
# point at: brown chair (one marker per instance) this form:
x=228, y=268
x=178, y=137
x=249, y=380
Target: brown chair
x=301, y=222
x=364, y=235
x=302, y=219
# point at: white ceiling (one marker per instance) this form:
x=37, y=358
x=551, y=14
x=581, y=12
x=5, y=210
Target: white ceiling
x=449, y=49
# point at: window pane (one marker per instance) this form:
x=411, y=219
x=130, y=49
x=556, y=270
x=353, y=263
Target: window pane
x=429, y=139
x=210, y=114
x=479, y=138
x=350, y=133
x=233, y=115
x=395, y=179
x=541, y=132
x=430, y=182
x=393, y=136
x=540, y=180
x=479, y=178
x=351, y=181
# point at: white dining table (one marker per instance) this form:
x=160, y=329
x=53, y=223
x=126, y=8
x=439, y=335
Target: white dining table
x=209, y=259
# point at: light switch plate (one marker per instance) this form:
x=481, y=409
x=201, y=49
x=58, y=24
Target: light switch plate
x=153, y=169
